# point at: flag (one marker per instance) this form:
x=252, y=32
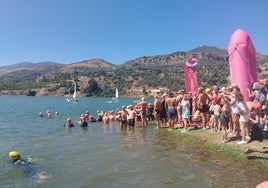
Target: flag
x=190, y=76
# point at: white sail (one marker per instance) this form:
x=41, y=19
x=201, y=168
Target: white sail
x=116, y=93
x=114, y=99
x=73, y=98
x=74, y=95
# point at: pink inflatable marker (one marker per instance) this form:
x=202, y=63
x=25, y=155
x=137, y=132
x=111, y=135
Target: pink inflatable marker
x=242, y=61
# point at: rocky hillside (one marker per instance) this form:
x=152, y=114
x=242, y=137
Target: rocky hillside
x=87, y=64
x=142, y=76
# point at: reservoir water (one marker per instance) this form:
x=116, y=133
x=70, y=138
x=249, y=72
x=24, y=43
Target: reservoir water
x=104, y=155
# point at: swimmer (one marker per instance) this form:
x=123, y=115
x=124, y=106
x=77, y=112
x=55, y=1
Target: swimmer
x=15, y=158
x=83, y=122
x=87, y=115
x=40, y=114
x=92, y=119
x=48, y=114
x=69, y=123
x=100, y=115
x=26, y=166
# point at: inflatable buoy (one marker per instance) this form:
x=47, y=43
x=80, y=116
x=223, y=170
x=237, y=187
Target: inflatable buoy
x=14, y=155
x=263, y=185
x=242, y=61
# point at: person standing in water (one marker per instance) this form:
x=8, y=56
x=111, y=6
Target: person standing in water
x=143, y=104
x=163, y=110
x=69, y=123
x=131, y=116
x=123, y=117
x=157, y=108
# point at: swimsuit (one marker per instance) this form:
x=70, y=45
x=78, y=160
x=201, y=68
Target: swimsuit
x=224, y=120
x=171, y=112
x=131, y=122
x=185, y=112
x=26, y=167
x=143, y=112
x=204, y=108
x=69, y=125
x=84, y=124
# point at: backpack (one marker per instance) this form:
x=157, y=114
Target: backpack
x=256, y=132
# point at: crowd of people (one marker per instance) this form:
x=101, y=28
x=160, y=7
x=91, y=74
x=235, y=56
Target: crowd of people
x=222, y=110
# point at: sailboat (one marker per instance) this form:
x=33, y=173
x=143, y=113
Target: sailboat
x=73, y=98
x=114, y=99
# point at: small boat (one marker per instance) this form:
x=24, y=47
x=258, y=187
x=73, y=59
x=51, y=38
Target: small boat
x=114, y=99
x=73, y=98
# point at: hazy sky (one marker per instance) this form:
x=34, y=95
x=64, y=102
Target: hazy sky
x=67, y=31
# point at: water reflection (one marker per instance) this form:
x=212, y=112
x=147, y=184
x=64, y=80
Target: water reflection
x=133, y=135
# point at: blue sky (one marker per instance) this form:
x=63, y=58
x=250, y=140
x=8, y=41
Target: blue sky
x=67, y=31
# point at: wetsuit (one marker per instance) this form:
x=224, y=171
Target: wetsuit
x=26, y=167
x=68, y=125
x=84, y=124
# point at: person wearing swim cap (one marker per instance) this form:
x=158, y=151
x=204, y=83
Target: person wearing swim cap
x=92, y=119
x=26, y=166
x=40, y=114
x=83, y=123
x=100, y=115
x=69, y=123
x=15, y=157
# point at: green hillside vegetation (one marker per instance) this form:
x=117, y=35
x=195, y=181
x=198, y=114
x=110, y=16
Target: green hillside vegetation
x=133, y=78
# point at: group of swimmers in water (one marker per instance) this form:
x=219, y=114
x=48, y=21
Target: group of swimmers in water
x=213, y=108
x=222, y=110
x=49, y=115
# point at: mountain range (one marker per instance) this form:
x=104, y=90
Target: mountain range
x=142, y=76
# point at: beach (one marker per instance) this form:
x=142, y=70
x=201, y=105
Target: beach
x=253, y=150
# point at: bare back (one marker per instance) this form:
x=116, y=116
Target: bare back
x=171, y=102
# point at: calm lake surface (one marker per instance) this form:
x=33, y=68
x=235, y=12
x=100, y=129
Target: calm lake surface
x=104, y=155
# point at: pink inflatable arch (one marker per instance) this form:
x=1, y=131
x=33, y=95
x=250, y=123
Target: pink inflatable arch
x=242, y=60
